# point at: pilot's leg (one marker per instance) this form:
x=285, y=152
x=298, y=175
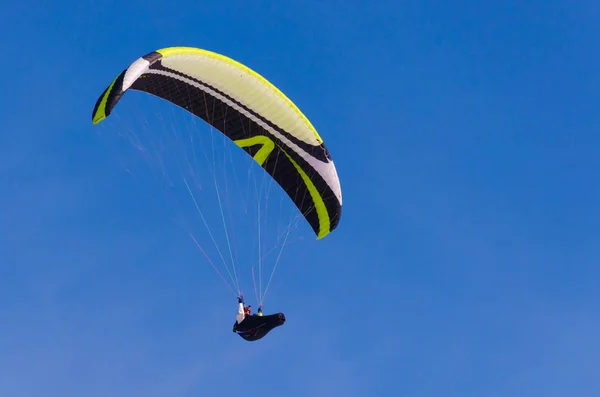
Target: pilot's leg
x=240, y=314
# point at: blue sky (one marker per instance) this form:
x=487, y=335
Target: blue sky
x=466, y=136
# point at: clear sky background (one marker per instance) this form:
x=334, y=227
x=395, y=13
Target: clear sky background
x=466, y=136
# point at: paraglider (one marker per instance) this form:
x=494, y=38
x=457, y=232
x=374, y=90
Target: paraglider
x=253, y=327
x=256, y=116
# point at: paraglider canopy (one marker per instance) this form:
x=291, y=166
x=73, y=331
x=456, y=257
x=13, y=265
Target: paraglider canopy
x=251, y=112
